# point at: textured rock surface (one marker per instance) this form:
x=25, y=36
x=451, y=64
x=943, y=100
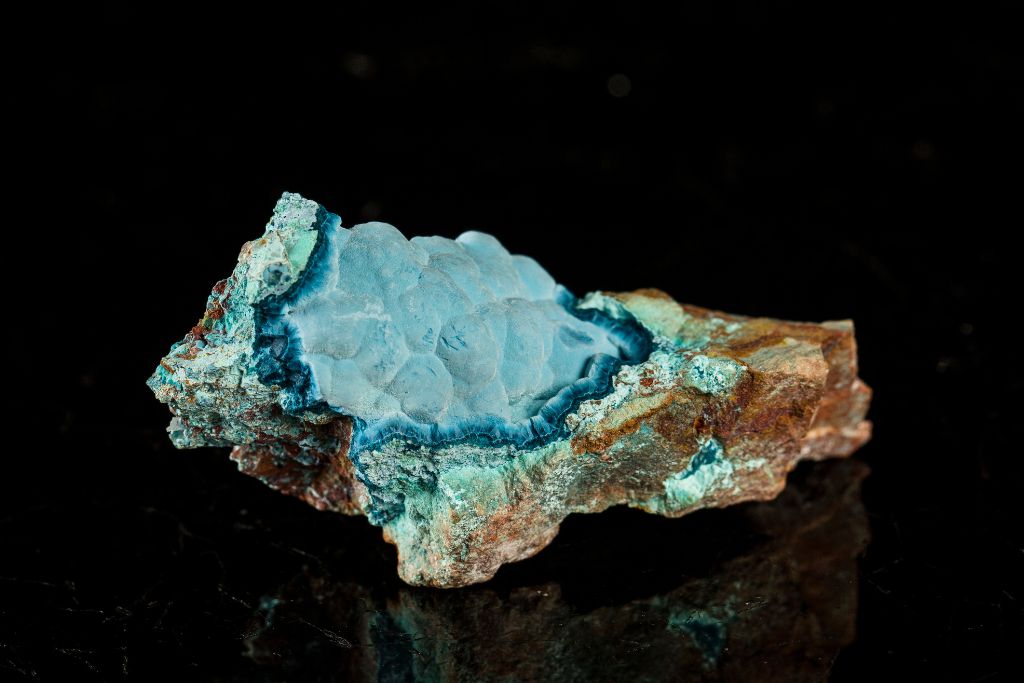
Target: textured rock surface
x=464, y=402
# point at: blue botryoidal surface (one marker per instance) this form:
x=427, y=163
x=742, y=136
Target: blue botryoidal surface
x=436, y=341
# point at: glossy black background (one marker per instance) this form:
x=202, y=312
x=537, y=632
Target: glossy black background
x=768, y=159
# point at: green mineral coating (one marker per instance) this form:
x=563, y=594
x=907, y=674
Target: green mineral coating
x=300, y=247
x=714, y=376
x=708, y=632
x=216, y=400
x=708, y=469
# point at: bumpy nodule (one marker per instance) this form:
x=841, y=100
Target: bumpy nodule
x=440, y=333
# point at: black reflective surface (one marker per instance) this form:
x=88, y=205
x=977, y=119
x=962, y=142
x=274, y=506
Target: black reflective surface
x=729, y=156
x=281, y=592
x=707, y=598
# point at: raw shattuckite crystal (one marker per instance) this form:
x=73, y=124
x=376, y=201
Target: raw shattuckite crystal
x=465, y=402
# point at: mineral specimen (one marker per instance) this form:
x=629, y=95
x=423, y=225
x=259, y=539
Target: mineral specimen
x=463, y=401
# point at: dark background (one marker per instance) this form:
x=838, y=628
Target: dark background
x=765, y=158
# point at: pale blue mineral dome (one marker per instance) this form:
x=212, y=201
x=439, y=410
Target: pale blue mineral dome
x=438, y=340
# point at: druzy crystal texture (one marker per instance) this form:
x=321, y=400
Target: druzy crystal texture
x=462, y=400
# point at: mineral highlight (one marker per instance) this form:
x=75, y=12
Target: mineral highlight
x=466, y=403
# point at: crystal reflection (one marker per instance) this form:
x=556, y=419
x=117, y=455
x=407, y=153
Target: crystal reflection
x=764, y=591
